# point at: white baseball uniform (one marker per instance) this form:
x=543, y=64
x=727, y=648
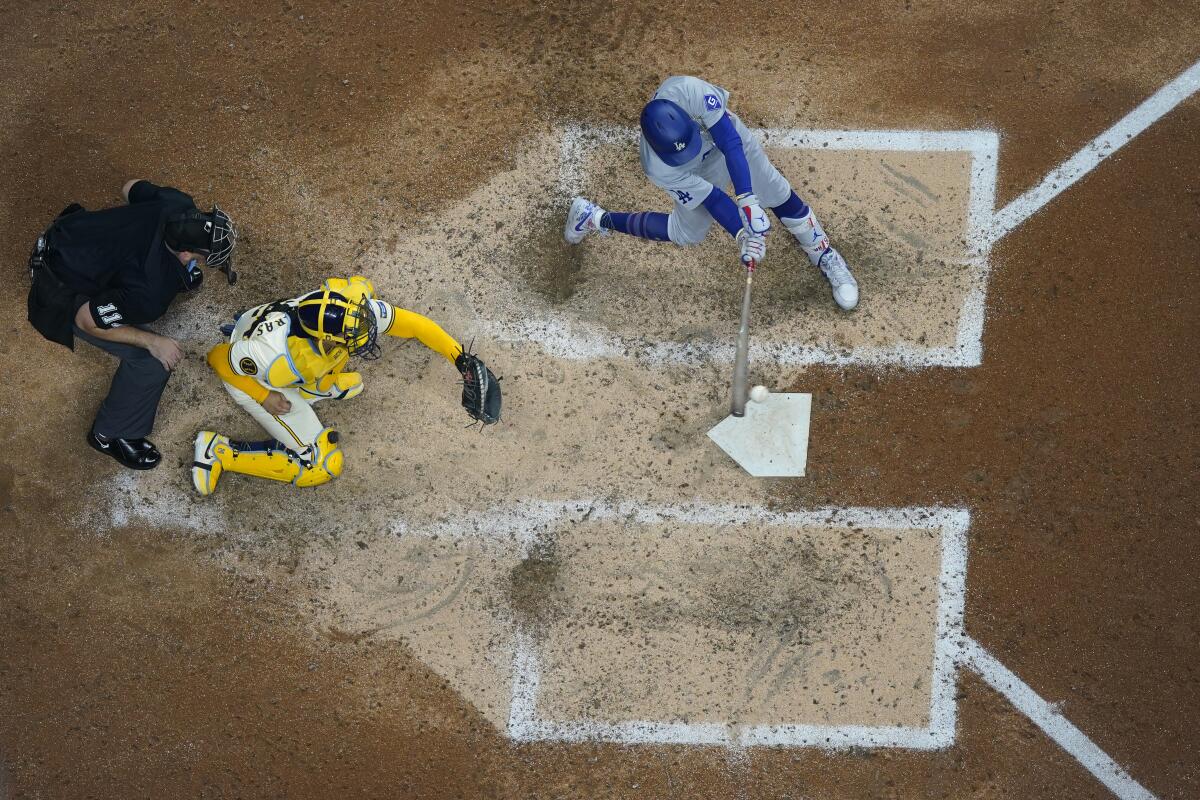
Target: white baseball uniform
x=690, y=184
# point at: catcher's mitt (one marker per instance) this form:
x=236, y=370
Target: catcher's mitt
x=481, y=390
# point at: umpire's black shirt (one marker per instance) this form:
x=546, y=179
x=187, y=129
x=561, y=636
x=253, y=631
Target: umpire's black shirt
x=115, y=260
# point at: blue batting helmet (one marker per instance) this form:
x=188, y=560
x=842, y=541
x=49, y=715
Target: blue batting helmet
x=672, y=134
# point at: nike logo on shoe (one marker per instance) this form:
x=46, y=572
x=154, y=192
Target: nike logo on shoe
x=579, y=226
x=208, y=453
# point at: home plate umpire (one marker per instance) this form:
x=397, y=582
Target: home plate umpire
x=103, y=275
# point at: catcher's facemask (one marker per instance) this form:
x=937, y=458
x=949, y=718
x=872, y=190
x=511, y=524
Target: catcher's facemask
x=329, y=318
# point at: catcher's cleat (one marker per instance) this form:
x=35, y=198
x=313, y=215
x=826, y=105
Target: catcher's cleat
x=582, y=219
x=845, y=288
x=206, y=466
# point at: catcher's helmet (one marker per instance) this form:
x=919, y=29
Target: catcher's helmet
x=330, y=319
x=212, y=233
x=672, y=134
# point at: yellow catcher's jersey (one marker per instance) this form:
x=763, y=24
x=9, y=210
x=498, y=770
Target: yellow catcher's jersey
x=268, y=351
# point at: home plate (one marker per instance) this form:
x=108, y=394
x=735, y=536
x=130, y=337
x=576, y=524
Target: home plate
x=771, y=440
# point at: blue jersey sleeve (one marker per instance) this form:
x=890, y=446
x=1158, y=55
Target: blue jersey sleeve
x=724, y=211
x=725, y=136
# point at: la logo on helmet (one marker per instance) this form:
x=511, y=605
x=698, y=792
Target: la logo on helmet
x=681, y=145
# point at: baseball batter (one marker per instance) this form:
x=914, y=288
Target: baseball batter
x=692, y=146
x=283, y=357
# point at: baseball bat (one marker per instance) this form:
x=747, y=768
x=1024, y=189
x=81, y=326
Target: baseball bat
x=741, y=362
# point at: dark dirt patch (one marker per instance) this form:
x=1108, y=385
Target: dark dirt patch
x=786, y=591
x=129, y=668
x=536, y=593
x=552, y=267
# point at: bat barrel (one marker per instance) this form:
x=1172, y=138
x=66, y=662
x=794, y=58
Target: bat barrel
x=741, y=361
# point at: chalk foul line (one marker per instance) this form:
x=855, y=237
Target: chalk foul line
x=1100, y=148
x=1052, y=722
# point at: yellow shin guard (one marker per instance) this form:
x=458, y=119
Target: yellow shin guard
x=319, y=463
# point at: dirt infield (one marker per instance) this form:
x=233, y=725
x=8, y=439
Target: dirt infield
x=358, y=640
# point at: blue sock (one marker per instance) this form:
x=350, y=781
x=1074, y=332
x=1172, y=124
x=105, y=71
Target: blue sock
x=792, y=208
x=644, y=224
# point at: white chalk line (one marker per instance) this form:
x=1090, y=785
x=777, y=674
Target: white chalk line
x=1052, y=723
x=1065, y=175
x=1058, y=180
x=570, y=339
x=122, y=501
x=565, y=337
x=531, y=523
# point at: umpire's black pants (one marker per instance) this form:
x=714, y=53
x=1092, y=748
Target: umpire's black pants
x=128, y=410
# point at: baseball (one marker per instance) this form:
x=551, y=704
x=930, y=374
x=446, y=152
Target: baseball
x=759, y=393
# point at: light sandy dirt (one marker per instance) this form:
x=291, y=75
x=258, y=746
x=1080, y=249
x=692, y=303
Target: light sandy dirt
x=736, y=624
x=899, y=217
x=447, y=598
x=270, y=643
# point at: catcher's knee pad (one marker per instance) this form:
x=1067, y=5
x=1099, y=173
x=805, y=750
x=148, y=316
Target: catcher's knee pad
x=323, y=460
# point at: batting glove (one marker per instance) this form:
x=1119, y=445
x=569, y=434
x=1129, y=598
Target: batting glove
x=753, y=246
x=753, y=216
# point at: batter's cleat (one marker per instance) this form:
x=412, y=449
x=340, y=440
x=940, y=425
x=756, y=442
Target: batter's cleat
x=206, y=466
x=845, y=288
x=132, y=453
x=582, y=219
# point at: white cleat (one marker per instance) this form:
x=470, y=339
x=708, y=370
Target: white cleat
x=845, y=288
x=582, y=219
x=206, y=467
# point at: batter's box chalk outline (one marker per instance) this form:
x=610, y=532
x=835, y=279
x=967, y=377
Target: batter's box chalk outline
x=531, y=523
x=567, y=337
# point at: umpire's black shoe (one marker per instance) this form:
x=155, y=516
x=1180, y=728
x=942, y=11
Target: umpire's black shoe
x=133, y=453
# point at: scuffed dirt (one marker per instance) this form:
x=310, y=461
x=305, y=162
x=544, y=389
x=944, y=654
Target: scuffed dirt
x=278, y=644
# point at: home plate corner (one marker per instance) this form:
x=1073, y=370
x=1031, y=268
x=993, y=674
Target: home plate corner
x=771, y=440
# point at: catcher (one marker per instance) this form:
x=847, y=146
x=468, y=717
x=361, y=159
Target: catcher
x=284, y=356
